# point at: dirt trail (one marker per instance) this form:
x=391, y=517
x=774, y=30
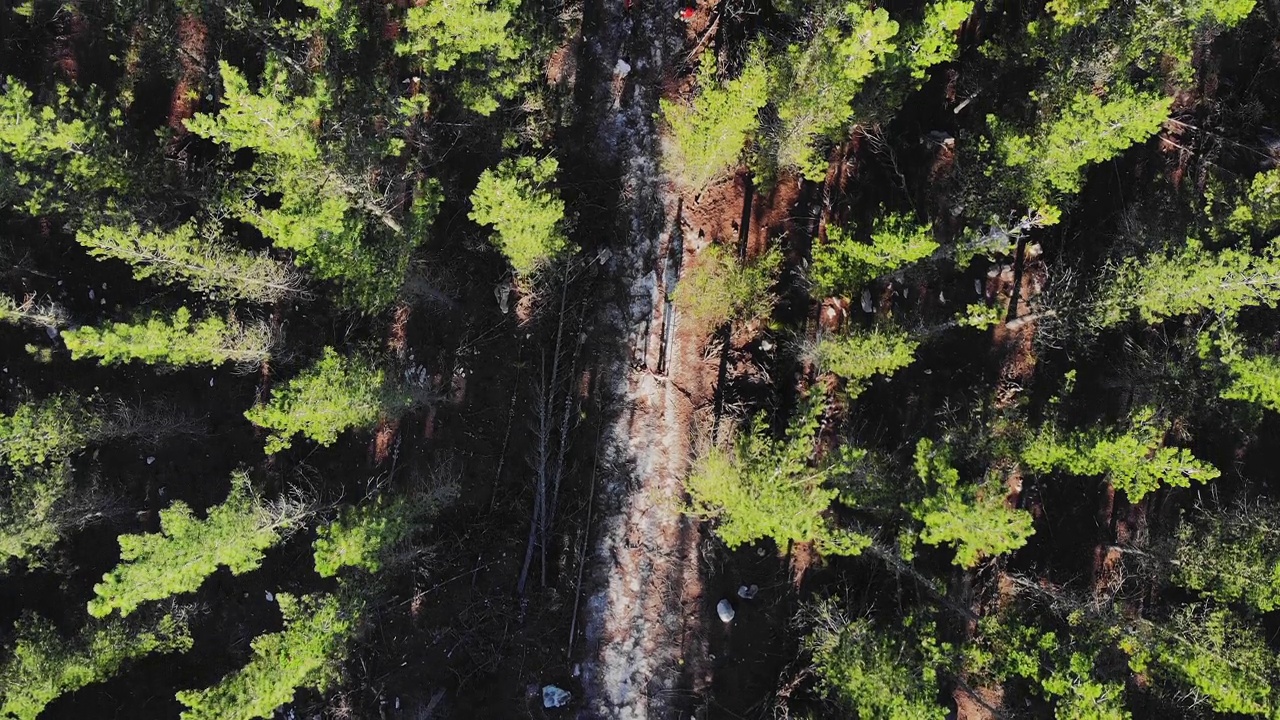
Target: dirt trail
x=644, y=655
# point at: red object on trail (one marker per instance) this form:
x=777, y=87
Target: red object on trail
x=687, y=14
x=628, y=3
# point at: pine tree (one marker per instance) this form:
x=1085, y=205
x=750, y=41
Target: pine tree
x=1085, y=130
x=767, y=488
x=972, y=518
x=843, y=264
x=1189, y=280
x=320, y=213
x=818, y=80
x=708, y=134
x=871, y=670
x=1254, y=379
x=176, y=560
x=362, y=535
x=33, y=512
x=43, y=665
x=185, y=255
x=527, y=215
x=1232, y=556
x=53, y=157
x=1135, y=462
x=1220, y=660
x=177, y=340
x=47, y=431
x=478, y=39
x=307, y=654
x=859, y=356
x=335, y=394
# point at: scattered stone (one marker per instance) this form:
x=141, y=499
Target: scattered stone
x=866, y=302
x=210, y=382
x=270, y=596
x=748, y=592
x=91, y=295
x=725, y=610
x=977, y=286
x=151, y=459
x=52, y=332
x=765, y=345
x=554, y=697
x=622, y=69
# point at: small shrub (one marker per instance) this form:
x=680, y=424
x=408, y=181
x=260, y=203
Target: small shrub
x=715, y=289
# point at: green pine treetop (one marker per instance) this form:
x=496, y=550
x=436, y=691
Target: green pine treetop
x=972, y=518
x=306, y=654
x=187, y=550
x=334, y=394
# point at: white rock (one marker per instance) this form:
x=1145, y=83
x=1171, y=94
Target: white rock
x=866, y=302
x=765, y=345
x=151, y=459
x=210, y=382
x=270, y=596
x=748, y=592
x=622, y=69
x=977, y=286
x=91, y=295
x=725, y=610
x=554, y=697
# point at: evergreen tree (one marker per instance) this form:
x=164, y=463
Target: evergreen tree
x=47, y=431
x=843, y=264
x=43, y=665
x=767, y=488
x=527, y=215
x=184, y=255
x=307, y=654
x=335, y=394
x=1190, y=280
x=1233, y=556
x=176, y=340
x=1254, y=379
x=872, y=671
x=477, y=37
x=34, y=512
x=362, y=535
x=972, y=518
x=818, y=80
x=176, y=560
x=859, y=356
x=1084, y=130
x=1135, y=462
x=319, y=214
x=53, y=157
x=1213, y=655
x=707, y=135
x=1061, y=666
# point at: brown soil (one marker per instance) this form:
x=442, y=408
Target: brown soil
x=772, y=215
x=193, y=48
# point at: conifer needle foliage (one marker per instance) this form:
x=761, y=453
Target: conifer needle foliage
x=176, y=560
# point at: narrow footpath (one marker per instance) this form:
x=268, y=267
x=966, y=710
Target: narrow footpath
x=644, y=654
